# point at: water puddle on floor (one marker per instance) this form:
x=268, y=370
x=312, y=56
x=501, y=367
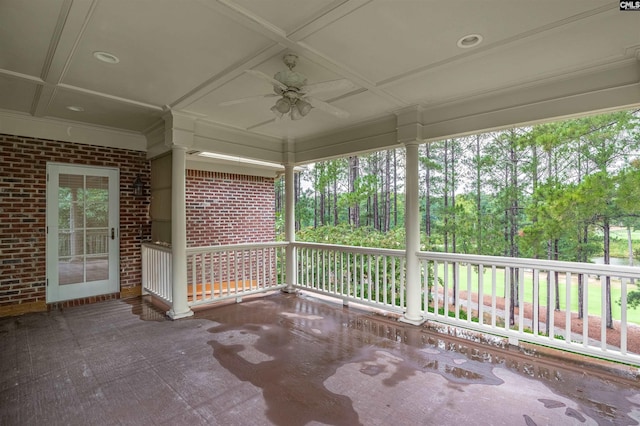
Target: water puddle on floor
x=318, y=362
x=145, y=309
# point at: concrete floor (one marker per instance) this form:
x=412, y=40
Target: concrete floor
x=287, y=360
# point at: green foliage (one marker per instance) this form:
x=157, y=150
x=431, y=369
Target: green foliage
x=351, y=236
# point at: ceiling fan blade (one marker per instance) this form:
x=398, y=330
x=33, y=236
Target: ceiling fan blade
x=316, y=103
x=249, y=99
x=263, y=76
x=328, y=86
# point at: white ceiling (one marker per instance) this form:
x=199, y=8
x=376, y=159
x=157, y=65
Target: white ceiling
x=189, y=56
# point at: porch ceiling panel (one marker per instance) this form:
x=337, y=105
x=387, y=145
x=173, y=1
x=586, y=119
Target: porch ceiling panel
x=530, y=61
x=17, y=95
x=166, y=49
x=296, y=15
x=102, y=112
x=26, y=30
x=190, y=55
x=400, y=40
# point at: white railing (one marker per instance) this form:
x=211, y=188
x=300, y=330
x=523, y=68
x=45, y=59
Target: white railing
x=369, y=276
x=157, y=271
x=231, y=271
x=551, y=303
x=532, y=300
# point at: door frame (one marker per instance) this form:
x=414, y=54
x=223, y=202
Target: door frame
x=86, y=289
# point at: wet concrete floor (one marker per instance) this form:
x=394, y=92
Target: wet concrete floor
x=287, y=360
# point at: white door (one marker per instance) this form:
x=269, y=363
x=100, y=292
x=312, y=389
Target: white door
x=82, y=231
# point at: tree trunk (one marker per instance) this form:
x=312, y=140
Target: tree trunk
x=335, y=202
x=395, y=188
x=446, y=196
x=387, y=195
x=427, y=187
x=630, y=246
x=375, y=207
x=354, y=209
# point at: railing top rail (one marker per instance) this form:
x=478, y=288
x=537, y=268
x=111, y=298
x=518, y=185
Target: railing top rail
x=155, y=246
x=554, y=265
x=352, y=249
x=235, y=247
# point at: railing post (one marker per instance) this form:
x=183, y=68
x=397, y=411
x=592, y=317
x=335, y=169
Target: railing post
x=412, y=227
x=180, y=306
x=290, y=229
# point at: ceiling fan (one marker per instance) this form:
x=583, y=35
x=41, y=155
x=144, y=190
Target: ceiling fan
x=295, y=95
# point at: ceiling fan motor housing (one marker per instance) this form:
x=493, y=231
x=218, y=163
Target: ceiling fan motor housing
x=291, y=79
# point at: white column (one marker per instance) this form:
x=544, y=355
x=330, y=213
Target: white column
x=290, y=228
x=412, y=228
x=180, y=308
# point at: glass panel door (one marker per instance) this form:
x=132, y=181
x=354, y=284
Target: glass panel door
x=82, y=240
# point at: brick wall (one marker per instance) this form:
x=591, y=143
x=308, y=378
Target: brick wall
x=224, y=208
x=23, y=213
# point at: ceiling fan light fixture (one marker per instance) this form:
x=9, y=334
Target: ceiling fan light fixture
x=303, y=107
x=282, y=105
x=295, y=113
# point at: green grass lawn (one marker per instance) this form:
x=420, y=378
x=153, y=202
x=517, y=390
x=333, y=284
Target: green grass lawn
x=594, y=290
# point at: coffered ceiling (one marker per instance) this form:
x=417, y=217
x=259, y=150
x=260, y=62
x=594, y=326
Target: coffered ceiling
x=189, y=56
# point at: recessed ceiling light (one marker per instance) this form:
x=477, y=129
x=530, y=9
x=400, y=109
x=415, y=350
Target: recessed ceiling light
x=75, y=108
x=470, y=40
x=106, y=57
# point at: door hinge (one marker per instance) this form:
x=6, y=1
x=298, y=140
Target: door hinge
x=47, y=282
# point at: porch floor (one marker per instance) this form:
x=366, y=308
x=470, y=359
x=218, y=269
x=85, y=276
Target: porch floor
x=290, y=360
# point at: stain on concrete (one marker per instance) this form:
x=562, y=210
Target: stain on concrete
x=529, y=421
x=570, y=412
x=550, y=403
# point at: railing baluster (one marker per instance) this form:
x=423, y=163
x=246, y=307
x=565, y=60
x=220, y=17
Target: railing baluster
x=393, y=280
x=251, y=269
x=623, y=315
x=603, y=312
x=425, y=285
x=521, y=301
x=585, y=310
x=481, y=294
x=536, y=302
x=362, y=280
x=507, y=298
x=552, y=300
x=369, y=277
x=385, y=299
x=323, y=269
x=493, y=296
x=402, y=282
x=469, y=311
x=456, y=289
x=227, y=276
x=445, y=276
x=436, y=289
x=194, y=288
x=567, y=307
